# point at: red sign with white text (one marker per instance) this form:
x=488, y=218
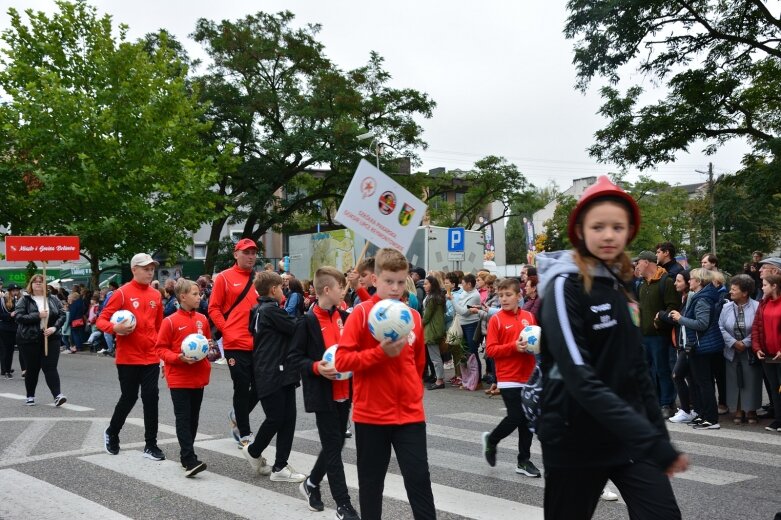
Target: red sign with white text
x=41, y=248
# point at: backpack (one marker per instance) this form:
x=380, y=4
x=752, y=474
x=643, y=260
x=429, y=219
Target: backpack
x=530, y=398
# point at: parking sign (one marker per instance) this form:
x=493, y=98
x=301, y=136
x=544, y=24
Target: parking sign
x=455, y=239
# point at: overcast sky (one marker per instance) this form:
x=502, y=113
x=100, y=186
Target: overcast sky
x=501, y=73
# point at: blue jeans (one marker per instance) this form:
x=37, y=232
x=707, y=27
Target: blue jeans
x=469, y=336
x=657, y=349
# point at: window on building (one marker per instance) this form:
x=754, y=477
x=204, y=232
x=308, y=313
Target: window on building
x=199, y=250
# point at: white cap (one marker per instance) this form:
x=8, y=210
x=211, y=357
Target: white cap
x=143, y=259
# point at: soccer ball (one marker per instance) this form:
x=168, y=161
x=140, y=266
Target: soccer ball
x=532, y=333
x=390, y=319
x=330, y=357
x=195, y=346
x=123, y=316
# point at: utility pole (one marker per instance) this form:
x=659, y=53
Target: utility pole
x=712, y=197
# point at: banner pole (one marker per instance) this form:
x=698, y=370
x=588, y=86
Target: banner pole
x=45, y=307
x=363, y=253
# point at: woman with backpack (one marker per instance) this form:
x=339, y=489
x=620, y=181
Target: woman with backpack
x=701, y=340
x=599, y=415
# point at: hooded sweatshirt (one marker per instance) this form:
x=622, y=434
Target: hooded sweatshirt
x=598, y=404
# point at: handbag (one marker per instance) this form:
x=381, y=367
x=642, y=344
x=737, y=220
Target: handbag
x=530, y=399
x=78, y=323
x=454, y=334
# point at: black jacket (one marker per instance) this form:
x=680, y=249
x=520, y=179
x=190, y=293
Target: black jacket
x=7, y=322
x=29, y=319
x=598, y=405
x=308, y=348
x=272, y=329
x=673, y=268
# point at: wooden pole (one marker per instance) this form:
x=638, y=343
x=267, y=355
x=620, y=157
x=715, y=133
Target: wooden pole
x=363, y=253
x=45, y=307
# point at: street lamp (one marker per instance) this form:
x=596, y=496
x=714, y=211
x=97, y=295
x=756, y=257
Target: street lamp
x=375, y=142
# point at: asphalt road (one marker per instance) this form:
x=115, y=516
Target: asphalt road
x=53, y=465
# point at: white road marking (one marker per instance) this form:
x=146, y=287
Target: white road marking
x=67, y=406
x=227, y=494
x=23, y=497
x=26, y=441
x=457, y=501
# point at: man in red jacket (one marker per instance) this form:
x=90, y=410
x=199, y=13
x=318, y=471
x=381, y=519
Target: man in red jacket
x=136, y=359
x=233, y=296
x=388, y=397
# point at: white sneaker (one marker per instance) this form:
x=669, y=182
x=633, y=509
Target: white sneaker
x=221, y=361
x=258, y=465
x=287, y=474
x=608, y=495
x=102, y=351
x=683, y=417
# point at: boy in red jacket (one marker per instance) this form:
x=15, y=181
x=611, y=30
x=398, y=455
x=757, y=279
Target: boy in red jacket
x=387, y=397
x=186, y=377
x=514, y=366
x=137, y=363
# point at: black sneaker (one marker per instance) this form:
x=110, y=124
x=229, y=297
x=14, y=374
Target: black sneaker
x=193, y=469
x=153, y=453
x=705, y=425
x=111, y=442
x=696, y=421
x=775, y=426
x=312, y=495
x=489, y=450
x=347, y=512
x=527, y=468
x=9, y=375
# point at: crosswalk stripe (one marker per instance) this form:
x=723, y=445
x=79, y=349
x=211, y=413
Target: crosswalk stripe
x=20, y=494
x=731, y=454
x=93, y=439
x=705, y=475
x=740, y=435
x=170, y=430
x=457, y=501
x=26, y=441
x=67, y=406
x=227, y=494
x=463, y=463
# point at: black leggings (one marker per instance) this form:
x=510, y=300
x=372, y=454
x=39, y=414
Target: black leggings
x=37, y=361
x=7, y=345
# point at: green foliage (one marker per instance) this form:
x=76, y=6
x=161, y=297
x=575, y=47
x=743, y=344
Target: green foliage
x=556, y=238
x=530, y=201
x=492, y=179
x=719, y=61
x=286, y=109
x=663, y=213
x=747, y=214
x=101, y=138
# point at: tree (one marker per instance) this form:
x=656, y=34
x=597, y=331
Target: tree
x=101, y=138
x=556, y=237
x=293, y=118
x=530, y=201
x=747, y=214
x=720, y=61
x=663, y=210
x=492, y=179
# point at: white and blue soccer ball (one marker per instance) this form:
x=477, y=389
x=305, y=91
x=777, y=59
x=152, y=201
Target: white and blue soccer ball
x=532, y=333
x=329, y=356
x=390, y=319
x=123, y=316
x=195, y=346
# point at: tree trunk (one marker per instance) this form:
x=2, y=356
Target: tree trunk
x=212, y=246
x=94, y=264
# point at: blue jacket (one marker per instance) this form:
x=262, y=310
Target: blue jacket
x=702, y=326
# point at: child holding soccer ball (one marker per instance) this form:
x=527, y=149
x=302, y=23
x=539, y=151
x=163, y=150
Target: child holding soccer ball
x=387, y=396
x=186, y=377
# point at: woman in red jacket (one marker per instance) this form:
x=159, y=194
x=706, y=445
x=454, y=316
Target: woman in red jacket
x=766, y=339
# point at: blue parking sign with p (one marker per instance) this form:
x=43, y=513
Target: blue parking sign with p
x=455, y=239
